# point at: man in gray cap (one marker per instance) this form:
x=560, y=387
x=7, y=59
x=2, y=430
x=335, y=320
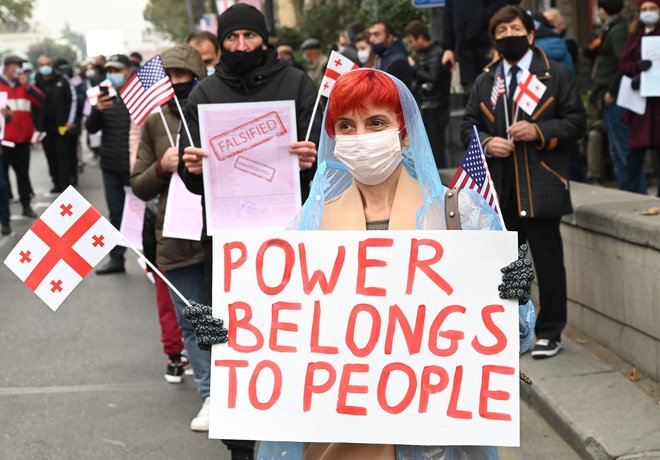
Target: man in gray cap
x=315, y=59
x=22, y=97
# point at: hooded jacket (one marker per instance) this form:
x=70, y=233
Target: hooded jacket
x=148, y=178
x=537, y=172
x=554, y=46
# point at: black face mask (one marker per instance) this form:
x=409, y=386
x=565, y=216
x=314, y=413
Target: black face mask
x=241, y=62
x=182, y=90
x=512, y=48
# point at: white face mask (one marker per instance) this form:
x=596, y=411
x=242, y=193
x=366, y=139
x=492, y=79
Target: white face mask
x=370, y=158
x=363, y=56
x=649, y=17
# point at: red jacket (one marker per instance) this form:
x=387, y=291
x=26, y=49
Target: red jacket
x=643, y=129
x=21, y=100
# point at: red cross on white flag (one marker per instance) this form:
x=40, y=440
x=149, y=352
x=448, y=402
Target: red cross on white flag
x=529, y=92
x=338, y=65
x=62, y=246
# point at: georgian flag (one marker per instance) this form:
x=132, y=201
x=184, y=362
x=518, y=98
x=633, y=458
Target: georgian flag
x=528, y=92
x=337, y=66
x=63, y=245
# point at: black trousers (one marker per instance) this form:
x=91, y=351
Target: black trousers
x=18, y=157
x=59, y=156
x=544, y=239
x=435, y=122
x=114, y=196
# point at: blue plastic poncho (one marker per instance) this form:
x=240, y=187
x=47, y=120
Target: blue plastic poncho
x=332, y=178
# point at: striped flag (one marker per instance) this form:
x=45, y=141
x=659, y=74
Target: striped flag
x=338, y=65
x=473, y=173
x=148, y=88
x=499, y=88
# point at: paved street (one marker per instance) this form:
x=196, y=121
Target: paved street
x=87, y=382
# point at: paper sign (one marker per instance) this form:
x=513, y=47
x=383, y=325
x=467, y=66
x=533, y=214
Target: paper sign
x=183, y=213
x=3, y=104
x=250, y=178
x=650, y=79
x=630, y=99
x=132, y=219
x=365, y=337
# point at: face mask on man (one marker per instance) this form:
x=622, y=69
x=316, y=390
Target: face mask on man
x=182, y=90
x=90, y=73
x=210, y=71
x=370, y=158
x=363, y=56
x=241, y=62
x=379, y=48
x=46, y=70
x=649, y=17
x=512, y=48
x=117, y=79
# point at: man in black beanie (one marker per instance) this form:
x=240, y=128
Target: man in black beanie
x=249, y=71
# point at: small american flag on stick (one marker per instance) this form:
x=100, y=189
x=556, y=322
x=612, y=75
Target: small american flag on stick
x=148, y=88
x=473, y=173
x=498, y=87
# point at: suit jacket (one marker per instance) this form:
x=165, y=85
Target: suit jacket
x=537, y=173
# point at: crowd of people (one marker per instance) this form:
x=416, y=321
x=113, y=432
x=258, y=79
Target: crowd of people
x=532, y=157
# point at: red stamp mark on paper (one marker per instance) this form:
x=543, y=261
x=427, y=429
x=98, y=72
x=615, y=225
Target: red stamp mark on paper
x=247, y=136
x=255, y=168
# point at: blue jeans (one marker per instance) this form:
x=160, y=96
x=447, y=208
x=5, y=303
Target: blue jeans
x=617, y=137
x=190, y=282
x=4, y=195
x=114, y=196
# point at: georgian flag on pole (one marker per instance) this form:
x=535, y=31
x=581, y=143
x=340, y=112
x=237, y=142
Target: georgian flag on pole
x=528, y=92
x=337, y=66
x=63, y=245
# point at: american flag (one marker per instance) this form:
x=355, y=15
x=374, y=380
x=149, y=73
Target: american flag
x=147, y=89
x=473, y=173
x=498, y=87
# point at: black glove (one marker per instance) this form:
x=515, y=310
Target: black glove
x=517, y=278
x=644, y=65
x=208, y=330
x=634, y=84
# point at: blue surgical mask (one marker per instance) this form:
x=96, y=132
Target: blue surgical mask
x=649, y=17
x=46, y=70
x=117, y=79
x=210, y=71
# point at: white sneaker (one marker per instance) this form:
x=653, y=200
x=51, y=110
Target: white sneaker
x=201, y=420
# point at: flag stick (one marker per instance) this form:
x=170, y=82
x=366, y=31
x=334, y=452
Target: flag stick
x=156, y=271
x=167, y=128
x=490, y=180
x=183, y=120
x=506, y=117
x=311, y=121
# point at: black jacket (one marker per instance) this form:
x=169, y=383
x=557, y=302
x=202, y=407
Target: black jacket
x=395, y=62
x=537, y=172
x=431, y=79
x=116, y=124
x=57, y=105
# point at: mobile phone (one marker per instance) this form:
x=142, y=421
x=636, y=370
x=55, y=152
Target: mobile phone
x=104, y=91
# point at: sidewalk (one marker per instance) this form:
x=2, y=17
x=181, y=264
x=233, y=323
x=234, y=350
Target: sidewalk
x=585, y=394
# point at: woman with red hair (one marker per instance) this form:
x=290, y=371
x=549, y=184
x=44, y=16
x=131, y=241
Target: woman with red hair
x=376, y=172
x=643, y=129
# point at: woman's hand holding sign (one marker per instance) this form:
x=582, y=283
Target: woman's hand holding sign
x=306, y=151
x=192, y=159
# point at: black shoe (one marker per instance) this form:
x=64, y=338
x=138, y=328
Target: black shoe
x=6, y=229
x=174, y=372
x=545, y=348
x=28, y=211
x=110, y=267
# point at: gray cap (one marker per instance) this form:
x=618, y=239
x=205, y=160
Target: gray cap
x=311, y=43
x=13, y=59
x=118, y=61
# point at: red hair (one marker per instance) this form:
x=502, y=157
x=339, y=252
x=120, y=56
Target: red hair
x=357, y=91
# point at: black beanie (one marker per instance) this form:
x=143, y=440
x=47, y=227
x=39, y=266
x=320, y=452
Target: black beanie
x=611, y=7
x=242, y=16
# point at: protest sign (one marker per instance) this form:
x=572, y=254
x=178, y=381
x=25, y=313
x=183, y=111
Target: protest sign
x=650, y=80
x=132, y=219
x=630, y=99
x=391, y=337
x=183, y=213
x=250, y=178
